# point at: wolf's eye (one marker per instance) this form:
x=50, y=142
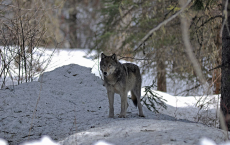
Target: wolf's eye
x=110, y=65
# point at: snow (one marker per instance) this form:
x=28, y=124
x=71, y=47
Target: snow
x=146, y=131
x=68, y=105
x=3, y=142
x=45, y=140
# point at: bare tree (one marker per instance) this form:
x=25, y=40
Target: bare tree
x=23, y=38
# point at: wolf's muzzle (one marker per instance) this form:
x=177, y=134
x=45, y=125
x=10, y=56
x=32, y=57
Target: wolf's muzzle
x=105, y=73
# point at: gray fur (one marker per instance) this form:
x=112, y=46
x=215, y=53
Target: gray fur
x=121, y=78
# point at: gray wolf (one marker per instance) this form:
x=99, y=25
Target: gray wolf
x=121, y=78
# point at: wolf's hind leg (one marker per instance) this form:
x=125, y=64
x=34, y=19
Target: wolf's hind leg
x=136, y=97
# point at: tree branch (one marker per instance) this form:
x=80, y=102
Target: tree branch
x=143, y=40
x=122, y=57
x=212, y=18
x=191, y=55
x=225, y=15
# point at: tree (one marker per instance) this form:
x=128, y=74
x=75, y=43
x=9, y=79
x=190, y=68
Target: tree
x=162, y=50
x=25, y=32
x=225, y=72
x=78, y=20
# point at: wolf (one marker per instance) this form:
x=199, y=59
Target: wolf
x=121, y=78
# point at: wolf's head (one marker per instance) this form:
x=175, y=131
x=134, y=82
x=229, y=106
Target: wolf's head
x=108, y=64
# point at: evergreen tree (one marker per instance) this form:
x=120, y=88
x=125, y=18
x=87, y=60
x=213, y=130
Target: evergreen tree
x=125, y=23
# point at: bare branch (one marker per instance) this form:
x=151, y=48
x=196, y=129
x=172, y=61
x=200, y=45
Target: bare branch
x=23, y=9
x=225, y=12
x=188, y=50
x=122, y=57
x=143, y=40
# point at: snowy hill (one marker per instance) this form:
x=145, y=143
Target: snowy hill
x=70, y=105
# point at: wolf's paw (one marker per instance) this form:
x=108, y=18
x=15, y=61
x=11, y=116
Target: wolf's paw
x=141, y=115
x=111, y=116
x=121, y=116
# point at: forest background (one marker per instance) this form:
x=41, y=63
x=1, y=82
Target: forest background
x=147, y=32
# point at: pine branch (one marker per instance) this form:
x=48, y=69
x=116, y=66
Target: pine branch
x=143, y=40
x=151, y=99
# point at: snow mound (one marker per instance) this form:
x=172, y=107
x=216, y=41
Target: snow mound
x=65, y=100
x=70, y=105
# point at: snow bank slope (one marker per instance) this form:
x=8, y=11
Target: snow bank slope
x=67, y=99
x=71, y=100
x=146, y=132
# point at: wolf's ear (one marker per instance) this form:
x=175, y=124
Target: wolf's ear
x=102, y=56
x=114, y=57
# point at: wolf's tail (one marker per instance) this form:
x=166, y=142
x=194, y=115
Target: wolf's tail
x=136, y=91
x=134, y=98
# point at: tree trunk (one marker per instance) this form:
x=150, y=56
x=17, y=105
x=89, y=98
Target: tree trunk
x=73, y=24
x=225, y=72
x=161, y=72
x=217, y=72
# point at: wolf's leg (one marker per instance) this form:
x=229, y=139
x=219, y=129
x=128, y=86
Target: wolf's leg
x=141, y=114
x=137, y=95
x=111, y=102
x=124, y=105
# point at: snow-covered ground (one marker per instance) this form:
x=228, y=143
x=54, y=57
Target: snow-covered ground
x=62, y=57
x=69, y=104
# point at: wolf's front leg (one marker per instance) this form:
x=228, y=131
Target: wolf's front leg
x=124, y=105
x=111, y=102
